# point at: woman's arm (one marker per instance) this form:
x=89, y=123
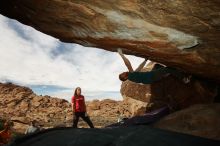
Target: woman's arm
x=126, y=61
x=73, y=107
x=73, y=104
x=84, y=103
x=85, y=107
x=86, y=115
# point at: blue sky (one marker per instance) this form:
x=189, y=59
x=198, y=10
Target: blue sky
x=50, y=67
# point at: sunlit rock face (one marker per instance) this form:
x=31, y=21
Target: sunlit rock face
x=199, y=120
x=22, y=105
x=182, y=34
x=107, y=111
x=170, y=91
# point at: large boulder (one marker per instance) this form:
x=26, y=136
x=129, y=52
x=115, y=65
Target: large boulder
x=103, y=112
x=22, y=105
x=170, y=91
x=107, y=111
x=183, y=34
x=132, y=136
x=200, y=120
x=136, y=107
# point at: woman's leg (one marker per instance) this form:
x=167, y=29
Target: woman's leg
x=75, y=120
x=87, y=120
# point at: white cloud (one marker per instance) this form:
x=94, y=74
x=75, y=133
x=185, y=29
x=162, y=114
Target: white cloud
x=26, y=58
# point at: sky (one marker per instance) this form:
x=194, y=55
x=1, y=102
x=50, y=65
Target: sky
x=51, y=67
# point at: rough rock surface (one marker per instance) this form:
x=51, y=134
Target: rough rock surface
x=170, y=91
x=106, y=112
x=198, y=120
x=132, y=136
x=21, y=105
x=183, y=34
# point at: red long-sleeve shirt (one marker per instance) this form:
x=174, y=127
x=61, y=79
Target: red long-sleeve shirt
x=79, y=103
x=5, y=136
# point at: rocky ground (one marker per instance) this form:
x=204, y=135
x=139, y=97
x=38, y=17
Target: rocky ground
x=21, y=105
x=180, y=34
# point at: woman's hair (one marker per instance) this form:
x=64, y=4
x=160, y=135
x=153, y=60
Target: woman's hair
x=75, y=93
x=8, y=124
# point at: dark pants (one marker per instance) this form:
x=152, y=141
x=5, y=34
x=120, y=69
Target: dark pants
x=85, y=118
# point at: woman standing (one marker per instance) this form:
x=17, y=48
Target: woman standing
x=79, y=108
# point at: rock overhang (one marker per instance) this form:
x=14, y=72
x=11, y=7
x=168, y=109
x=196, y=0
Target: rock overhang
x=181, y=34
